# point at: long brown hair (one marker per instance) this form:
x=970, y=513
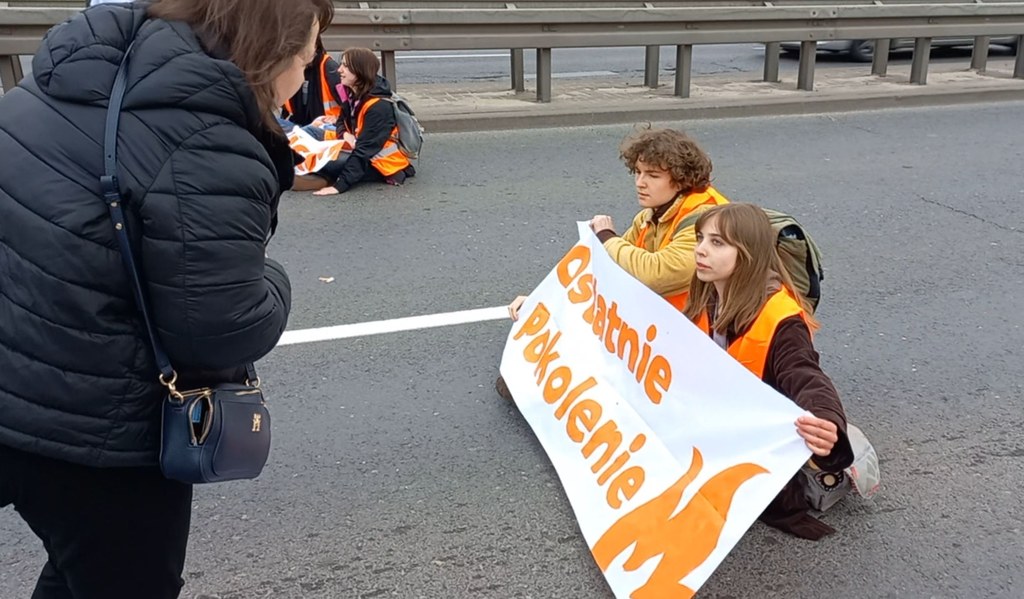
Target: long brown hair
x=758, y=265
x=364, y=64
x=259, y=36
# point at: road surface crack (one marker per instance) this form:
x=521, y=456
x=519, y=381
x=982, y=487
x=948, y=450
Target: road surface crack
x=974, y=216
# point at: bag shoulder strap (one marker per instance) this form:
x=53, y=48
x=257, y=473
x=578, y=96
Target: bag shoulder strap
x=114, y=201
x=688, y=221
x=112, y=198
x=691, y=218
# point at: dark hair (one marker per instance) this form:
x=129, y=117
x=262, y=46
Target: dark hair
x=364, y=64
x=259, y=36
x=687, y=164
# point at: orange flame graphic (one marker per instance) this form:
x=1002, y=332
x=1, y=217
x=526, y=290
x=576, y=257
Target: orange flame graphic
x=683, y=541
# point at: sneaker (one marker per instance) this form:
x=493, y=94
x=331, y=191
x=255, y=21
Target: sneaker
x=502, y=389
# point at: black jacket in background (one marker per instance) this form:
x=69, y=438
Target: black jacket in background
x=201, y=178
x=308, y=102
x=378, y=124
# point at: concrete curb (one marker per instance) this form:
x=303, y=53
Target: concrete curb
x=565, y=115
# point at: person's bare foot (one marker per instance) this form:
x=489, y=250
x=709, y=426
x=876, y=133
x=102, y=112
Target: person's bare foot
x=309, y=183
x=327, y=191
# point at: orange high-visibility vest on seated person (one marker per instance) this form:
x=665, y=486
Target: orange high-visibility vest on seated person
x=390, y=159
x=330, y=106
x=751, y=348
x=708, y=197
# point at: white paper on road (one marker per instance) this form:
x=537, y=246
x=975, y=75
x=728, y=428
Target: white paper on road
x=667, y=448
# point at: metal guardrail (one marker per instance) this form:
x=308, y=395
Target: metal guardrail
x=547, y=24
x=389, y=30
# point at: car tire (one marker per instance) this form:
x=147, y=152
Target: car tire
x=861, y=50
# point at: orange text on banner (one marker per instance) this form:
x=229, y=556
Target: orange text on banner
x=619, y=337
x=582, y=415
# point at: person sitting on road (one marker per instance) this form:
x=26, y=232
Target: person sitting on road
x=673, y=185
x=742, y=296
x=368, y=123
x=318, y=101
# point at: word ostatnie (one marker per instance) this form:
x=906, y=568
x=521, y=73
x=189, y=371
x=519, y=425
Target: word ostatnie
x=654, y=371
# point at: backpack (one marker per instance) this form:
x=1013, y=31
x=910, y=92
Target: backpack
x=800, y=255
x=410, y=132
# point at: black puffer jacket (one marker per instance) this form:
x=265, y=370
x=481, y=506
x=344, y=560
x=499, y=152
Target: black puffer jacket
x=201, y=179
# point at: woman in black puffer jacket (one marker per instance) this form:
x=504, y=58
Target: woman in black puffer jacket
x=202, y=164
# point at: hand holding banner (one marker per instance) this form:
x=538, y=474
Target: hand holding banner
x=668, y=449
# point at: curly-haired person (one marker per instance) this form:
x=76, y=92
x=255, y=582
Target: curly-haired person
x=673, y=186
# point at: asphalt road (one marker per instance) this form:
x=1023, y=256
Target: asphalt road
x=398, y=472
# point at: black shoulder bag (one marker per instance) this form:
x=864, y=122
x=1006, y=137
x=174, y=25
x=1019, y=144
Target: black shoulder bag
x=212, y=434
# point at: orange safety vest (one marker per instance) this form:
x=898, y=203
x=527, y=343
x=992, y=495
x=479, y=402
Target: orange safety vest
x=691, y=202
x=330, y=107
x=390, y=159
x=751, y=348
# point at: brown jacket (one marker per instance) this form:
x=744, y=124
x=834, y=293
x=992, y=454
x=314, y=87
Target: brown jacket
x=792, y=369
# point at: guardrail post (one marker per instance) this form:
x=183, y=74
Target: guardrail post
x=544, y=75
x=979, y=55
x=387, y=62
x=1018, y=66
x=771, y=61
x=518, y=70
x=10, y=72
x=805, y=75
x=880, y=59
x=684, y=58
x=652, y=62
x=919, y=68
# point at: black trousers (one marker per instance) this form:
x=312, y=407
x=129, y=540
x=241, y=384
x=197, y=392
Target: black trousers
x=110, y=533
x=333, y=169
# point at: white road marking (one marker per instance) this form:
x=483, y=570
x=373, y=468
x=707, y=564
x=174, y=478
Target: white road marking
x=447, y=56
x=411, y=323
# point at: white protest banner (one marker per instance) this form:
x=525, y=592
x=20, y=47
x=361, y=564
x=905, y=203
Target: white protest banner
x=315, y=153
x=668, y=449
